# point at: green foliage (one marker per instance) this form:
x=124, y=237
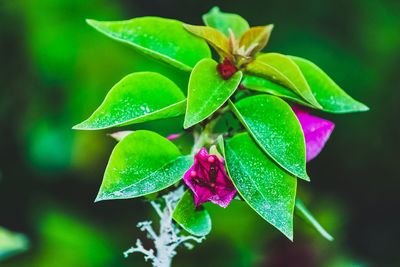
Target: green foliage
x=328, y=94
x=132, y=101
x=331, y=97
x=163, y=39
x=195, y=221
x=207, y=91
x=11, y=243
x=255, y=39
x=214, y=37
x=142, y=163
x=225, y=22
x=279, y=136
x=263, y=161
x=267, y=188
x=57, y=71
x=263, y=85
x=282, y=69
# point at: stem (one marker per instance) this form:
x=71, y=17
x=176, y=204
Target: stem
x=206, y=136
x=168, y=238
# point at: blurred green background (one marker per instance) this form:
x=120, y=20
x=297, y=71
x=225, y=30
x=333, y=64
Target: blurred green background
x=55, y=70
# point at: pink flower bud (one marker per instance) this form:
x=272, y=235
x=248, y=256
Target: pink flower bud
x=209, y=181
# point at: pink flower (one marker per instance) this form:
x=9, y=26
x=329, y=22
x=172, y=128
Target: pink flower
x=316, y=131
x=208, y=180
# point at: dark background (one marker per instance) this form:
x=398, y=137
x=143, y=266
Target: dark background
x=55, y=70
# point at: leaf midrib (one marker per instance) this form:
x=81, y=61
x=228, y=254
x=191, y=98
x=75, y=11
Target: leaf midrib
x=257, y=188
x=210, y=98
x=146, y=177
x=277, y=158
x=145, y=50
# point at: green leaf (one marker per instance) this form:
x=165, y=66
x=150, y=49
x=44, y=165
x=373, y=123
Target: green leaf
x=276, y=129
x=331, y=97
x=305, y=214
x=215, y=38
x=207, y=91
x=163, y=39
x=262, y=85
x=195, y=221
x=11, y=243
x=220, y=144
x=138, y=97
x=225, y=21
x=255, y=39
x=142, y=163
x=282, y=69
x=266, y=187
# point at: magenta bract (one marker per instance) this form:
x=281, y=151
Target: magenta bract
x=316, y=131
x=209, y=181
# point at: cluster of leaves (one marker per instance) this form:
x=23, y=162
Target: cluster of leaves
x=263, y=161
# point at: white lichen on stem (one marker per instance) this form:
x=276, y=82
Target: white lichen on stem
x=169, y=236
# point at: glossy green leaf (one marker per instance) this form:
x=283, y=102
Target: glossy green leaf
x=275, y=127
x=331, y=97
x=195, y=221
x=266, y=187
x=207, y=91
x=220, y=144
x=282, y=69
x=305, y=214
x=11, y=243
x=255, y=39
x=138, y=97
x=263, y=85
x=142, y=163
x=163, y=39
x=224, y=21
x=214, y=37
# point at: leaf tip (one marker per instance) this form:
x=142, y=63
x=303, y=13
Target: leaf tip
x=98, y=198
x=363, y=107
x=287, y=232
x=290, y=236
x=187, y=124
x=215, y=9
x=315, y=103
x=104, y=195
x=306, y=178
x=91, y=22
x=77, y=127
x=83, y=126
x=269, y=27
x=189, y=28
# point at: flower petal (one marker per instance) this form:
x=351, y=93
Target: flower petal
x=316, y=131
x=224, y=197
x=209, y=181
